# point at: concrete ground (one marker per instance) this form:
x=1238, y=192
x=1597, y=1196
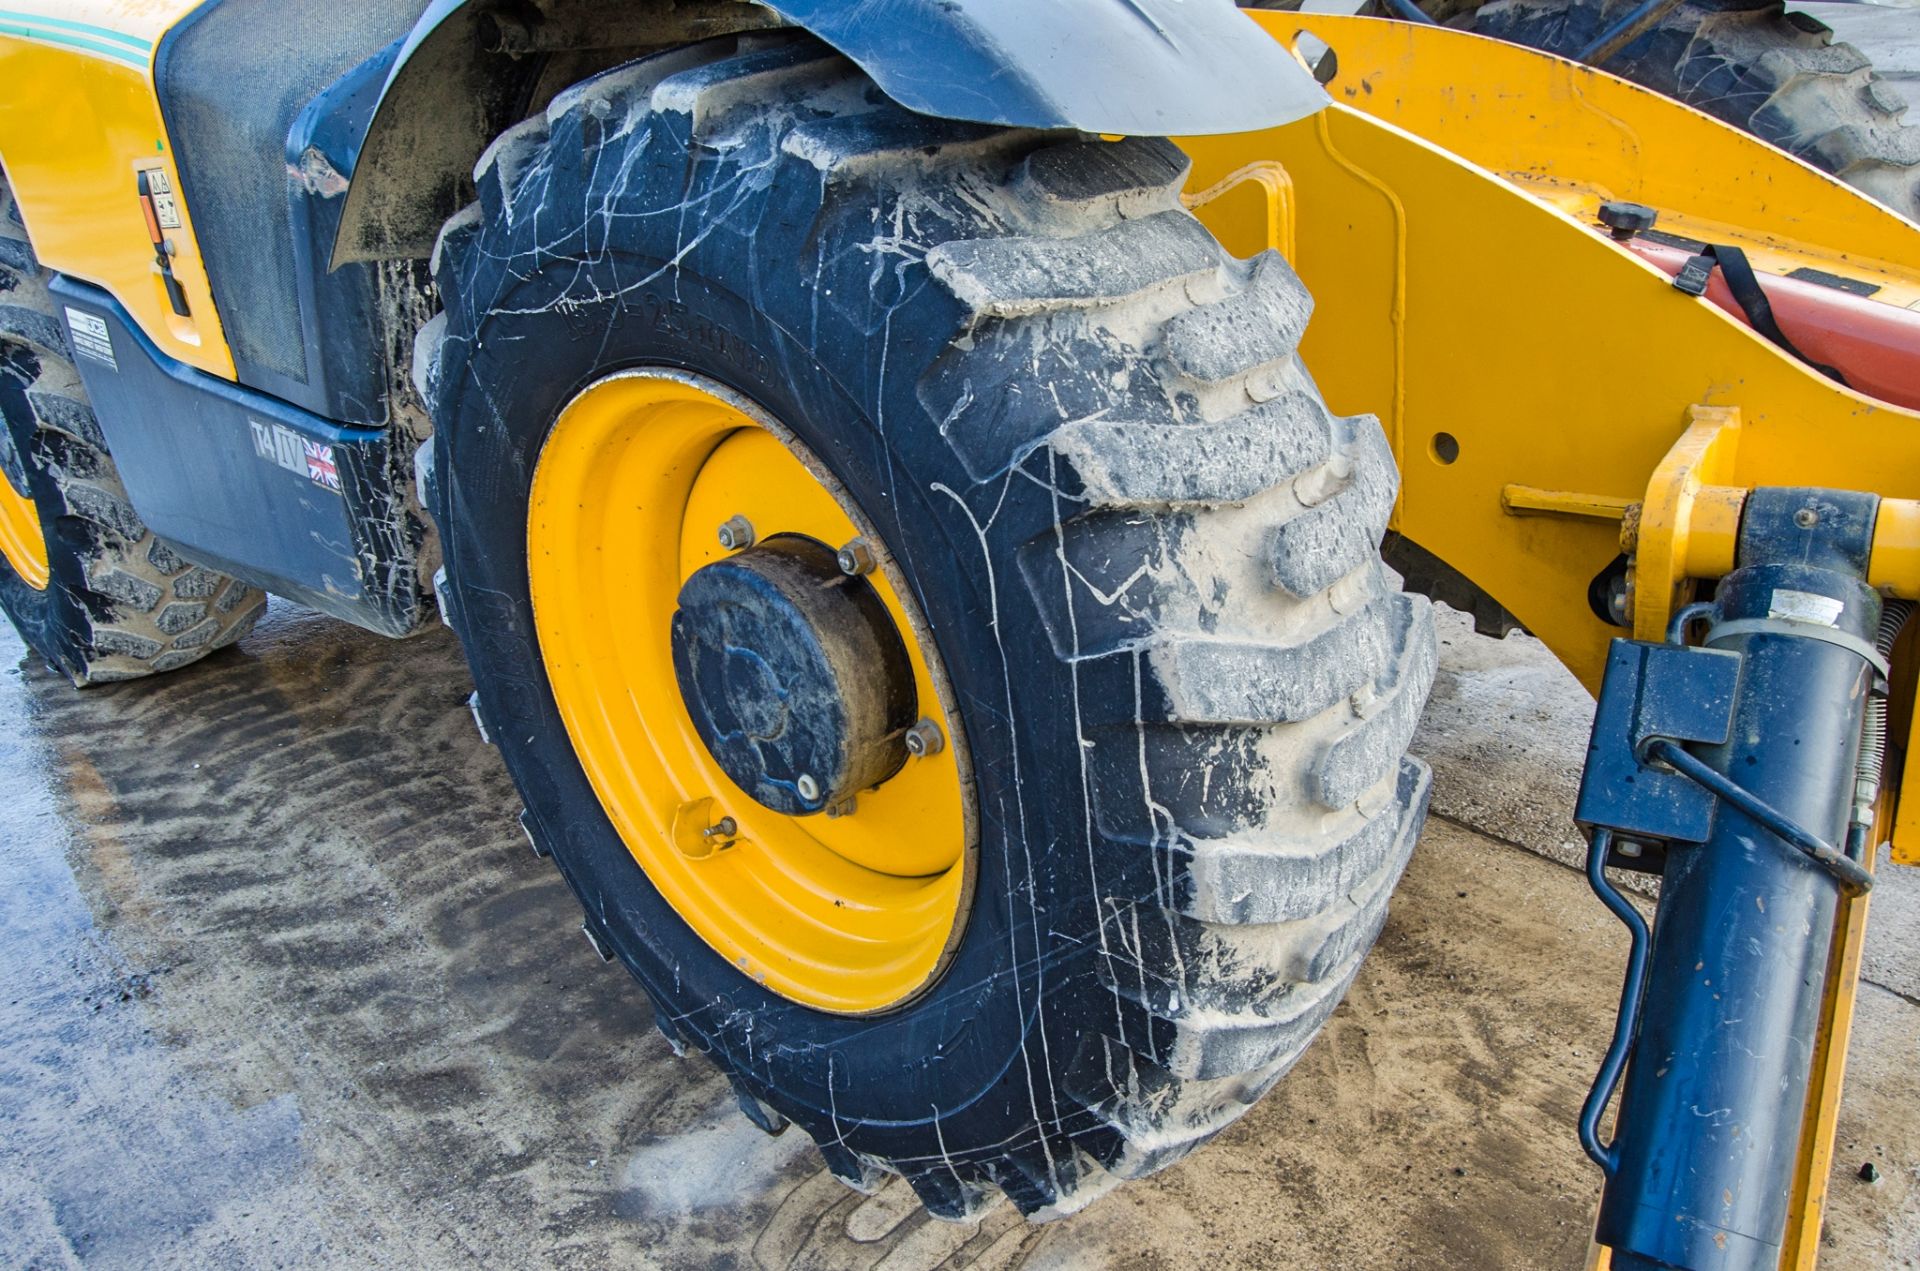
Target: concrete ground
x=281, y=985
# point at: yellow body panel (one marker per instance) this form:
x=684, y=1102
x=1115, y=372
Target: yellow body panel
x=78, y=120
x=1574, y=136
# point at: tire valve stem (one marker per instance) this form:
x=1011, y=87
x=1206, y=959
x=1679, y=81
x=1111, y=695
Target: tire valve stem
x=925, y=739
x=736, y=533
x=725, y=828
x=856, y=558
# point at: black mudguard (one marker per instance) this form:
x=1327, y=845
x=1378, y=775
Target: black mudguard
x=1132, y=67
x=1125, y=67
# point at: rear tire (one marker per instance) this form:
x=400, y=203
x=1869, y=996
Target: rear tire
x=1774, y=74
x=1147, y=554
x=119, y=602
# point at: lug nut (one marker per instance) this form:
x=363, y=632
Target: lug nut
x=856, y=558
x=925, y=738
x=736, y=533
x=807, y=787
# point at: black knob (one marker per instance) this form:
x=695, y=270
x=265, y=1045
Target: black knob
x=1627, y=219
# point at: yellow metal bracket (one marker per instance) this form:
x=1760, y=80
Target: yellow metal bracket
x=1257, y=201
x=1688, y=525
x=1524, y=500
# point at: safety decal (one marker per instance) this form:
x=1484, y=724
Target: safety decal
x=281, y=445
x=91, y=338
x=166, y=210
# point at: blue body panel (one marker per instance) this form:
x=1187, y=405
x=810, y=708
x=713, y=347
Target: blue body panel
x=249, y=484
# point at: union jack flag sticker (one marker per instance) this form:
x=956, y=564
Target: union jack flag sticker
x=320, y=465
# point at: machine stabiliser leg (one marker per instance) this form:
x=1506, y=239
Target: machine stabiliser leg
x=1735, y=763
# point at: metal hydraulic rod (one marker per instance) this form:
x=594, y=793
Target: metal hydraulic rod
x=1716, y=1089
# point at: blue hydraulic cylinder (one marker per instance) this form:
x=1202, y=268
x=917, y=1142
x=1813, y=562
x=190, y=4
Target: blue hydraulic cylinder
x=1715, y=1093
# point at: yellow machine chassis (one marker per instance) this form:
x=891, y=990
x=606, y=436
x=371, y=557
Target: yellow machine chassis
x=1553, y=400
x=851, y=913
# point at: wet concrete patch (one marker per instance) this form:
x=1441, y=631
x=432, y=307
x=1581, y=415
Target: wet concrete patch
x=721, y=1162
x=115, y=1155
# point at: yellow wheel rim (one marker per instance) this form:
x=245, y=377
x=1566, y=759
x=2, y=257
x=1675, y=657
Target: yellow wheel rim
x=21, y=539
x=855, y=913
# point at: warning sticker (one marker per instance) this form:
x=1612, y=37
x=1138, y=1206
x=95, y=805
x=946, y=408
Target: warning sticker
x=91, y=339
x=1805, y=606
x=166, y=209
x=282, y=446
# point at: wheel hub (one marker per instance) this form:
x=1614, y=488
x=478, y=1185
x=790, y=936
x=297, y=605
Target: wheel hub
x=793, y=675
x=701, y=678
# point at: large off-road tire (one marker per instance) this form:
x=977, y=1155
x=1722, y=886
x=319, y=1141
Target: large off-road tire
x=1775, y=74
x=116, y=602
x=1146, y=553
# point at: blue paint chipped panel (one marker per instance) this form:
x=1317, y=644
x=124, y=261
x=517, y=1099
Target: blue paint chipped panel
x=248, y=484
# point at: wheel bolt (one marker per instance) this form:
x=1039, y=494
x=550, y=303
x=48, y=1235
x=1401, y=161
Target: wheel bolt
x=736, y=533
x=807, y=787
x=856, y=558
x=925, y=738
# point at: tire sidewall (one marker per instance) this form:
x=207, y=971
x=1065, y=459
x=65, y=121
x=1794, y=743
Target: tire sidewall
x=956, y=1051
